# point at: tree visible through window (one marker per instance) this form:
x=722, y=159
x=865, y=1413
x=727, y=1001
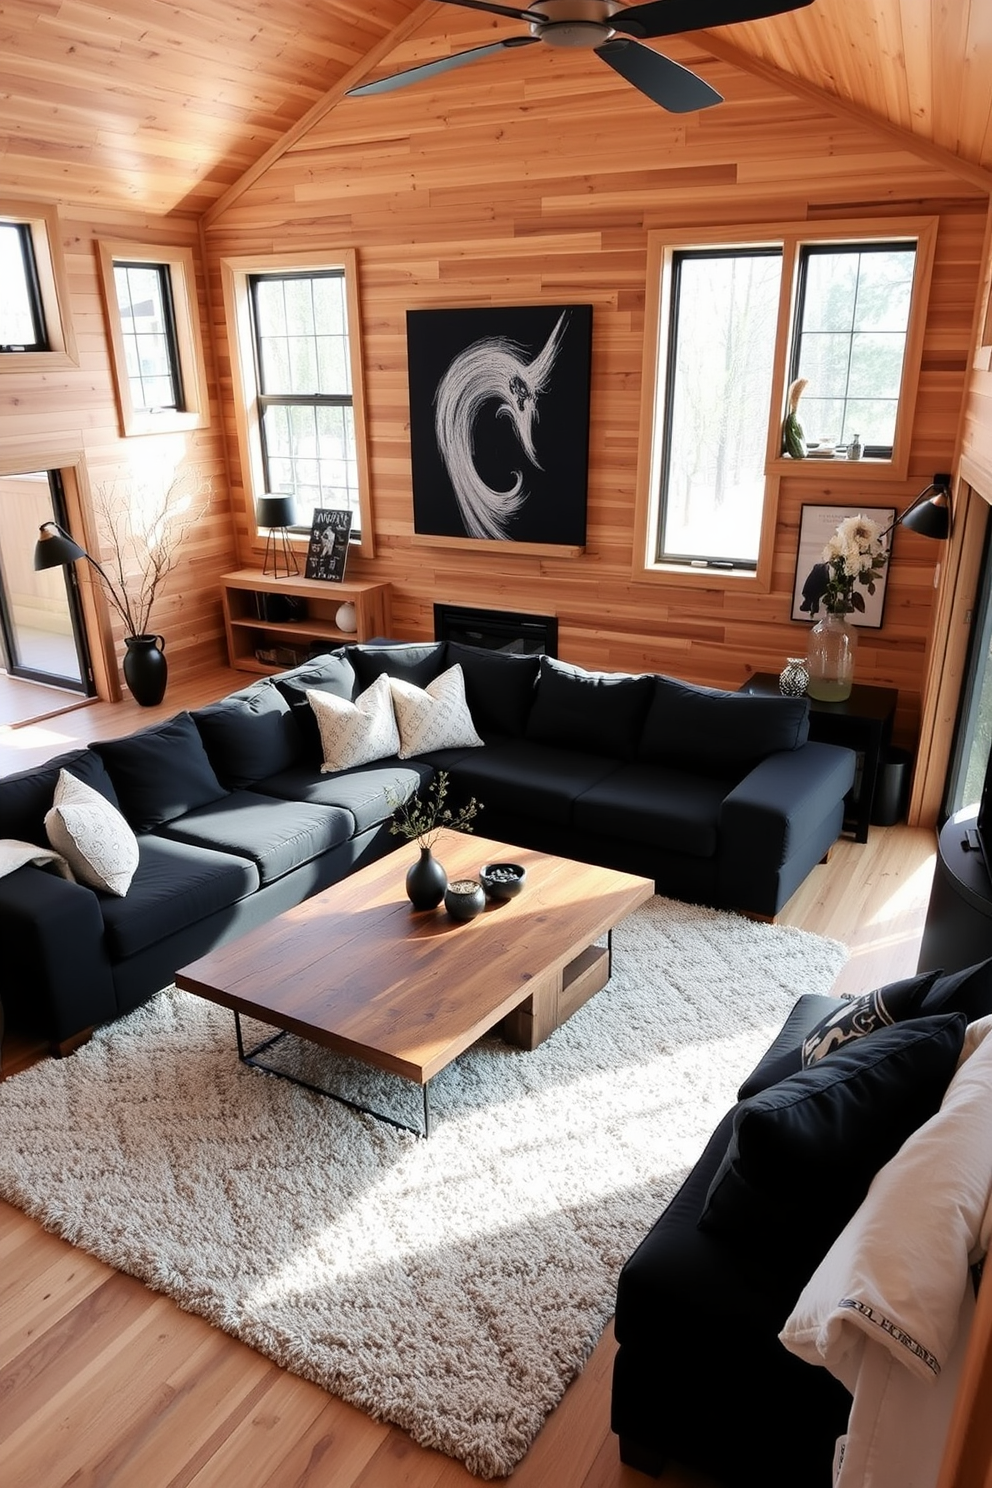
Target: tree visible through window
x=305, y=394
x=720, y=365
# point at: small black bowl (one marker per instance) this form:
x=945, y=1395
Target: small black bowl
x=502, y=880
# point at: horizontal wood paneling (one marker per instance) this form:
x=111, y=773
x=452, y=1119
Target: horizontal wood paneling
x=538, y=182
x=46, y=418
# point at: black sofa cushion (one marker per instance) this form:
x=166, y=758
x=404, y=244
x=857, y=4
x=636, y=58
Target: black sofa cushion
x=364, y=793
x=418, y=662
x=721, y=733
x=27, y=796
x=804, y=1151
x=597, y=712
x=967, y=991
x=697, y=1320
x=639, y=804
x=519, y=778
x=276, y=835
x=249, y=734
x=333, y=673
x=857, y=1017
x=499, y=687
x=161, y=772
x=176, y=884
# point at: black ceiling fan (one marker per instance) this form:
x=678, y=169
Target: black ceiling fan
x=614, y=32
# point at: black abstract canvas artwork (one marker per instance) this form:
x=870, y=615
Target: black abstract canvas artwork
x=499, y=422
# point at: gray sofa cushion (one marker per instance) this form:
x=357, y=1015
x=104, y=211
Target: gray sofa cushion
x=363, y=793
x=161, y=772
x=721, y=733
x=249, y=734
x=26, y=796
x=598, y=712
x=669, y=807
x=276, y=835
x=499, y=687
x=517, y=777
x=175, y=885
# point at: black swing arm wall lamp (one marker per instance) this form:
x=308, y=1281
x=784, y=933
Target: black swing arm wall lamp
x=929, y=513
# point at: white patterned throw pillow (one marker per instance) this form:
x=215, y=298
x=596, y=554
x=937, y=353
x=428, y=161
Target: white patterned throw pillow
x=435, y=717
x=92, y=836
x=355, y=733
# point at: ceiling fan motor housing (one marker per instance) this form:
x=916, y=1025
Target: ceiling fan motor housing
x=574, y=23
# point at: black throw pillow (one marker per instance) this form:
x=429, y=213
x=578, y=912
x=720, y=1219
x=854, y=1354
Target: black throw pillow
x=161, y=772
x=597, y=712
x=803, y=1152
x=861, y=1016
x=967, y=991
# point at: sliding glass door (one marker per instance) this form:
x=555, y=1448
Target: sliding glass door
x=41, y=630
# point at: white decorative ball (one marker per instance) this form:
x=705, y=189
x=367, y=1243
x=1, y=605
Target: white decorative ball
x=345, y=618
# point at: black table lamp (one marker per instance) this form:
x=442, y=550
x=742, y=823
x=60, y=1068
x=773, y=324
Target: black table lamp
x=278, y=513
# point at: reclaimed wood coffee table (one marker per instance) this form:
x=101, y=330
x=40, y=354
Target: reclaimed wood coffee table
x=357, y=970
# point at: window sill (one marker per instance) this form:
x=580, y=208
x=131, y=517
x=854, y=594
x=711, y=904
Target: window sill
x=840, y=466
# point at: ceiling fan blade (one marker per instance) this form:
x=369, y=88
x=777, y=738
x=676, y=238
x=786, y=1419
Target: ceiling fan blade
x=671, y=17
x=675, y=88
x=433, y=69
x=504, y=10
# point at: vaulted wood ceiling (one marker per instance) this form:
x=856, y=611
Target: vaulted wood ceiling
x=161, y=106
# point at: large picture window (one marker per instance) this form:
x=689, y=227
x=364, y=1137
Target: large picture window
x=731, y=326
x=306, y=424
x=721, y=361
x=299, y=403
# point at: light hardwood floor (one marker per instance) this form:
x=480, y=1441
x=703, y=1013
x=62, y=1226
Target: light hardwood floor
x=107, y=1384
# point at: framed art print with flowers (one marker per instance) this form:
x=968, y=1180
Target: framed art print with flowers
x=842, y=563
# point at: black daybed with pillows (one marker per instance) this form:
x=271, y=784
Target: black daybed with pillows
x=192, y=831
x=701, y=1376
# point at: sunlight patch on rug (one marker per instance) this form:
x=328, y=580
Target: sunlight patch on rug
x=453, y=1286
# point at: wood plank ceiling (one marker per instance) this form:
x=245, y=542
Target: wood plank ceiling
x=160, y=106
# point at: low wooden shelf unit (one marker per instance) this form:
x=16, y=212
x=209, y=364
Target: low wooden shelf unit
x=262, y=636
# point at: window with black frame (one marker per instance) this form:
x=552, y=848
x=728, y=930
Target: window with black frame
x=22, y=317
x=304, y=390
x=849, y=341
x=148, y=331
x=720, y=364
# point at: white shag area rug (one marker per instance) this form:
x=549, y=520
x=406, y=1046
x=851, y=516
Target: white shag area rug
x=452, y=1286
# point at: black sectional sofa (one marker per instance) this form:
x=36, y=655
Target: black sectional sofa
x=700, y=1376
x=719, y=797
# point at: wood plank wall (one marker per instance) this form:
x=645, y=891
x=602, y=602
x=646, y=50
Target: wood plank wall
x=536, y=177
x=48, y=418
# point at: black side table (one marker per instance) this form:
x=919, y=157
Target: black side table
x=862, y=722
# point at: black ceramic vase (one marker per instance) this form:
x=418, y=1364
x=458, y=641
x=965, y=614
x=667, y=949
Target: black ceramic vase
x=426, y=881
x=146, y=670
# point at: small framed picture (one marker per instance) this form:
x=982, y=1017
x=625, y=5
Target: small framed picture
x=817, y=526
x=327, y=555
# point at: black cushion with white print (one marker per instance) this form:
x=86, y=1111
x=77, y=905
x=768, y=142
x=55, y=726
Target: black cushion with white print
x=863, y=1015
